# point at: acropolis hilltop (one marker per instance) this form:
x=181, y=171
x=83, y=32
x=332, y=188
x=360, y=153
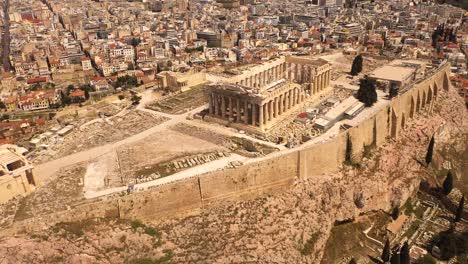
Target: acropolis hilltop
x=233, y=131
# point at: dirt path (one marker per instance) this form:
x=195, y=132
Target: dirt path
x=46, y=170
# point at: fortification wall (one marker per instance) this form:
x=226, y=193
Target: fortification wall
x=322, y=158
x=270, y=175
x=162, y=201
x=249, y=181
x=277, y=174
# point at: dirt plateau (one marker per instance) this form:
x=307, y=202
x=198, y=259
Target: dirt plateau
x=290, y=227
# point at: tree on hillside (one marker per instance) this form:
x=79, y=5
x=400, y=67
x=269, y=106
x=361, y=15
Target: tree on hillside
x=356, y=68
x=352, y=261
x=86, y=93
x=126, y=81
x=448, y=183
x=393, y=91
x=395, y=259
x=135, y=99
x=367, y=93
x=459, y=214
x=349, y=150
x=430, y=151
x=451, y=243
x=404, y=254
x=427, y=259
x=386, y=251
x=395, y=213
x=135, y=42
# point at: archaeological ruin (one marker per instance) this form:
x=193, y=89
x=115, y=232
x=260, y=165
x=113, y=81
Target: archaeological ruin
x=257, y=99
x=16, y=176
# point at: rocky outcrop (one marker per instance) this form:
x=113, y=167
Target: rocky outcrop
x=294, y=227
x=291, y=227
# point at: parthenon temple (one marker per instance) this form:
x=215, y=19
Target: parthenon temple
x=259, y=98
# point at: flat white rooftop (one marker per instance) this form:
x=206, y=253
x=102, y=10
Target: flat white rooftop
x=392, y=73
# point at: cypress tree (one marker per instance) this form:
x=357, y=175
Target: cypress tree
x=395, y=213
x=448, y=183
x=349, y=150
x=430, y=151
x=393, y=91
x=395, y=259
x=435, y=36
x=460, y=208
x=404, y=254
x=356, y=68
x=386, y=251
x=367, y=93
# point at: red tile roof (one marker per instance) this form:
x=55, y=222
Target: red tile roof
x=36, y=80
x=77, y=93
x=97, y=79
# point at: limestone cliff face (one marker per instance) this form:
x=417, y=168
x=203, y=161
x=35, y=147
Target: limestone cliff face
x=276, y=229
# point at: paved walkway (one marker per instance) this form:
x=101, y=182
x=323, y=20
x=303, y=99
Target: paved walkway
x=46, y=170
x=188, y=173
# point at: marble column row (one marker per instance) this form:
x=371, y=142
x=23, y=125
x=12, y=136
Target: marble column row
x=321, y=82
x=233, y=109
x=277, y=106
x=263, y=78
x=250, y=113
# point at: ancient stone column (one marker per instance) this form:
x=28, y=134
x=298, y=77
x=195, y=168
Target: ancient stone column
x=275, y=105
x=254, y=114
x=230, y=115
x=298, y=95
x=322, y=85
x=285, y=105
x=289, y=100
x=284, y=70
x=211, y=104
x=318, y=83
x=316, y=90
x=246, y=112
x=326, y=80
x=260, y=115
x=323, y=81
x=280, y=105
x=238, y=110
x=270, y=110
x=259, y=83
x=216, y=105
x=311, y=74
x=293, y=96
x=223, y=106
